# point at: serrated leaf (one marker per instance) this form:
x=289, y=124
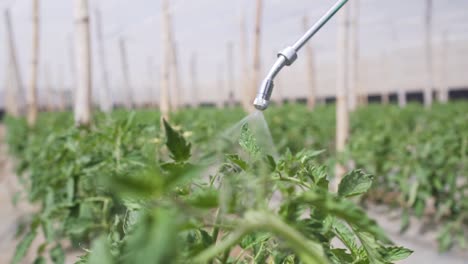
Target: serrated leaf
x=176, y=143
x=248, y=142
x=238, y=161
x=23, y=246
x=57, y=255
x=355, y=183
x=40, y=260
x=205, y=199
x=392, y=254
x=100, y=252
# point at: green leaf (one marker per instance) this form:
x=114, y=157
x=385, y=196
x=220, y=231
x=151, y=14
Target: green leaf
x=205, y=199
x=100, y=252
x=238, y=161
x=176, y=143
x=392, y=254
x=23, y=246
x=40, y=260
x=355, y=183
x=57, y=255
x=248, y=142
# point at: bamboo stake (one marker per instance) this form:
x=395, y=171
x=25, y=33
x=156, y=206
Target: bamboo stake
x=230, y=74
x=174, y=75
x=385, y=80
x=244, y=64
x=342, y=114
x=444, y=89
x=310, y=69
x=354, y=56
x=151, y=82
x=429, y=62
x=32, y=88
x=166, y=45
x=10, y=98
x=72, y=67
x=61, y=90
x=48, y=89
x=256, y=54
x=220, y=87
x=16, y=80
x=193, y=75
x=105, y=101
x=83, y=64
x=129, y=100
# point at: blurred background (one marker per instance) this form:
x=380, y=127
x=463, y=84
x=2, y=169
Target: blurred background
x=398, y=41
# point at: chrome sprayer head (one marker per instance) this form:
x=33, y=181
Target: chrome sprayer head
x=287, y=57
x=262, y=100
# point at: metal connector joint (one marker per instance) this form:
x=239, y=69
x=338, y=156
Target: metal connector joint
x=290, y=54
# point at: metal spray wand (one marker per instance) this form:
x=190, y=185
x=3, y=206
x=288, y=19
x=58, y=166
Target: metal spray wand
x=288, y=56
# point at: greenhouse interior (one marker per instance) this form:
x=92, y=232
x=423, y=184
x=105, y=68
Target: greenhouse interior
x=326, y=131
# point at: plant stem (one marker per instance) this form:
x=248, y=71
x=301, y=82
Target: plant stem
x=309, y=252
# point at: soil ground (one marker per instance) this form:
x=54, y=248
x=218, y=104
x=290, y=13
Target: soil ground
x=424, y=245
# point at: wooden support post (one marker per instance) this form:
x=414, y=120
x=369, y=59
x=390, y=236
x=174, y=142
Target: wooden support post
x=31, y=96
x=61, y=89
x=164, y=103
x=174, y=75
x=220, y=87
x=312, y=89
x=353, y=88
x=342, y=114
x=385, y=79
x=245, y=99
x=72, y=68
x=230, y=74
x=429, y=62
x=105, y=102
x=256, y=71
x=83, y=60
x=150, y=86
x=48, y=89
x=443, y=95
x=194, y=79
x=16, y=83
x=129, y=100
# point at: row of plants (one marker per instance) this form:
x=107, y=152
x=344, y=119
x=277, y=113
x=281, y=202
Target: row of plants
x=126, y=190
x=420, y=158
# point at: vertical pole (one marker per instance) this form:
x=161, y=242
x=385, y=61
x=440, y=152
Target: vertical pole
x=220, y=87
x=429, y=63
x=165, y=43
x=174, y=75
x=151, y=83
x=354, y=55
x=230, y=73
x=444, y=89
x=384, y=79
x=256, y=53
x=245, y=100
x=105, y=101
x=193, y=76
x=311, y=99
x=61, y=89
x=48, y=89
x=16, y=89
x=72, y=67
x=342, y=114
x=83, y=61
x=32, y=88
x=129, y=100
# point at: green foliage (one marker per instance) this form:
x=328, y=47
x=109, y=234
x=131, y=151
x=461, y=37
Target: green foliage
x=177, y=145
x=355, y=183
x=131, y=193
